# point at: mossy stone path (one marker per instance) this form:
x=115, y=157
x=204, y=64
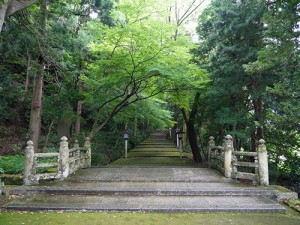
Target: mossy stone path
x=154, y=151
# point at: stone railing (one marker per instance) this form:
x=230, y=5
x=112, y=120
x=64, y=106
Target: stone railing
x=231, y=163
x=65, y=162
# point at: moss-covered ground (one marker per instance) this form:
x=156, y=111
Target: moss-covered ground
x=146, y=218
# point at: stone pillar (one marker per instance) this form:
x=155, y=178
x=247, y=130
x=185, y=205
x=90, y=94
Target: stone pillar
x=64, y=168
x=263, y=163
x=29, y=167
x=228, y=149
x=211, y=144
x=87, y=145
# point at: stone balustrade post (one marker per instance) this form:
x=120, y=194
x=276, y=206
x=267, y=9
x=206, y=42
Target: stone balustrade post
x=263, y=163
x=64, y=168
x=87, y=145
x=211, y=144
x=228, y=149
x=29, y=166
x=76, y=144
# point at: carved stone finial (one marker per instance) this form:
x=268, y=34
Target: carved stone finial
x=228, y=137
x=64, y=139
x=211, y=138
x=30, y=143
x=262, y=142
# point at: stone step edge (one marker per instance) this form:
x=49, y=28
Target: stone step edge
x=81, y=191
x=118, y=180
x=274, y=209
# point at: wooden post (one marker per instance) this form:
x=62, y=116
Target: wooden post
x=211, y=144
x=87, y=145
x=29, y=169
x=263, y=163
x=228, y=149
x=64, y=168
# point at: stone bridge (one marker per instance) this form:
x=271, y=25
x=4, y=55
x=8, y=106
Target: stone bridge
x=154, y=178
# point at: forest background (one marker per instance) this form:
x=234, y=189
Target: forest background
x=99, y=67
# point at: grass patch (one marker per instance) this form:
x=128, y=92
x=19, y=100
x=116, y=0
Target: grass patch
x=145, y=218
x=294, y=204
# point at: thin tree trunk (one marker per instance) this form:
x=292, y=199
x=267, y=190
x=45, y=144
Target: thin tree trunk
x=258, y=115
x=184, y=138
x=135, y=126
x=27, y=78
x=48, y=134
x=27, y=72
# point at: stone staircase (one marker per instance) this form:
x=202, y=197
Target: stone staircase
x=147, y=188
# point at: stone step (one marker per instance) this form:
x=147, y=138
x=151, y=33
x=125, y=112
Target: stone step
x=150, y=145
x=153, y=154
x=147, y=188
x=154, y=149
x=145, y=145
x=119, y=203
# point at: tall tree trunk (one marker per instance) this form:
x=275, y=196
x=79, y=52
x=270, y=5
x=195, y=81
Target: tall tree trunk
x=191, y=132
x=79, y=110
x=36, y=104
x=36, y=108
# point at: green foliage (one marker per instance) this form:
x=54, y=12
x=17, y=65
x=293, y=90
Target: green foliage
x=10, y=90
x=251, y=52
x=12, y=164
x=230, y=37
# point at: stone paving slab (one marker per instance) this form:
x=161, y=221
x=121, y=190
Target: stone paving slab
x=145, y=203
x=150, y=174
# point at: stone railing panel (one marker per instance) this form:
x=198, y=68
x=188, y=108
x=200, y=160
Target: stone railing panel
x=228, y=161
x=67, y=161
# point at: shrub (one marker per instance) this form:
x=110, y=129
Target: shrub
x=100, y=159
x=12, y=164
